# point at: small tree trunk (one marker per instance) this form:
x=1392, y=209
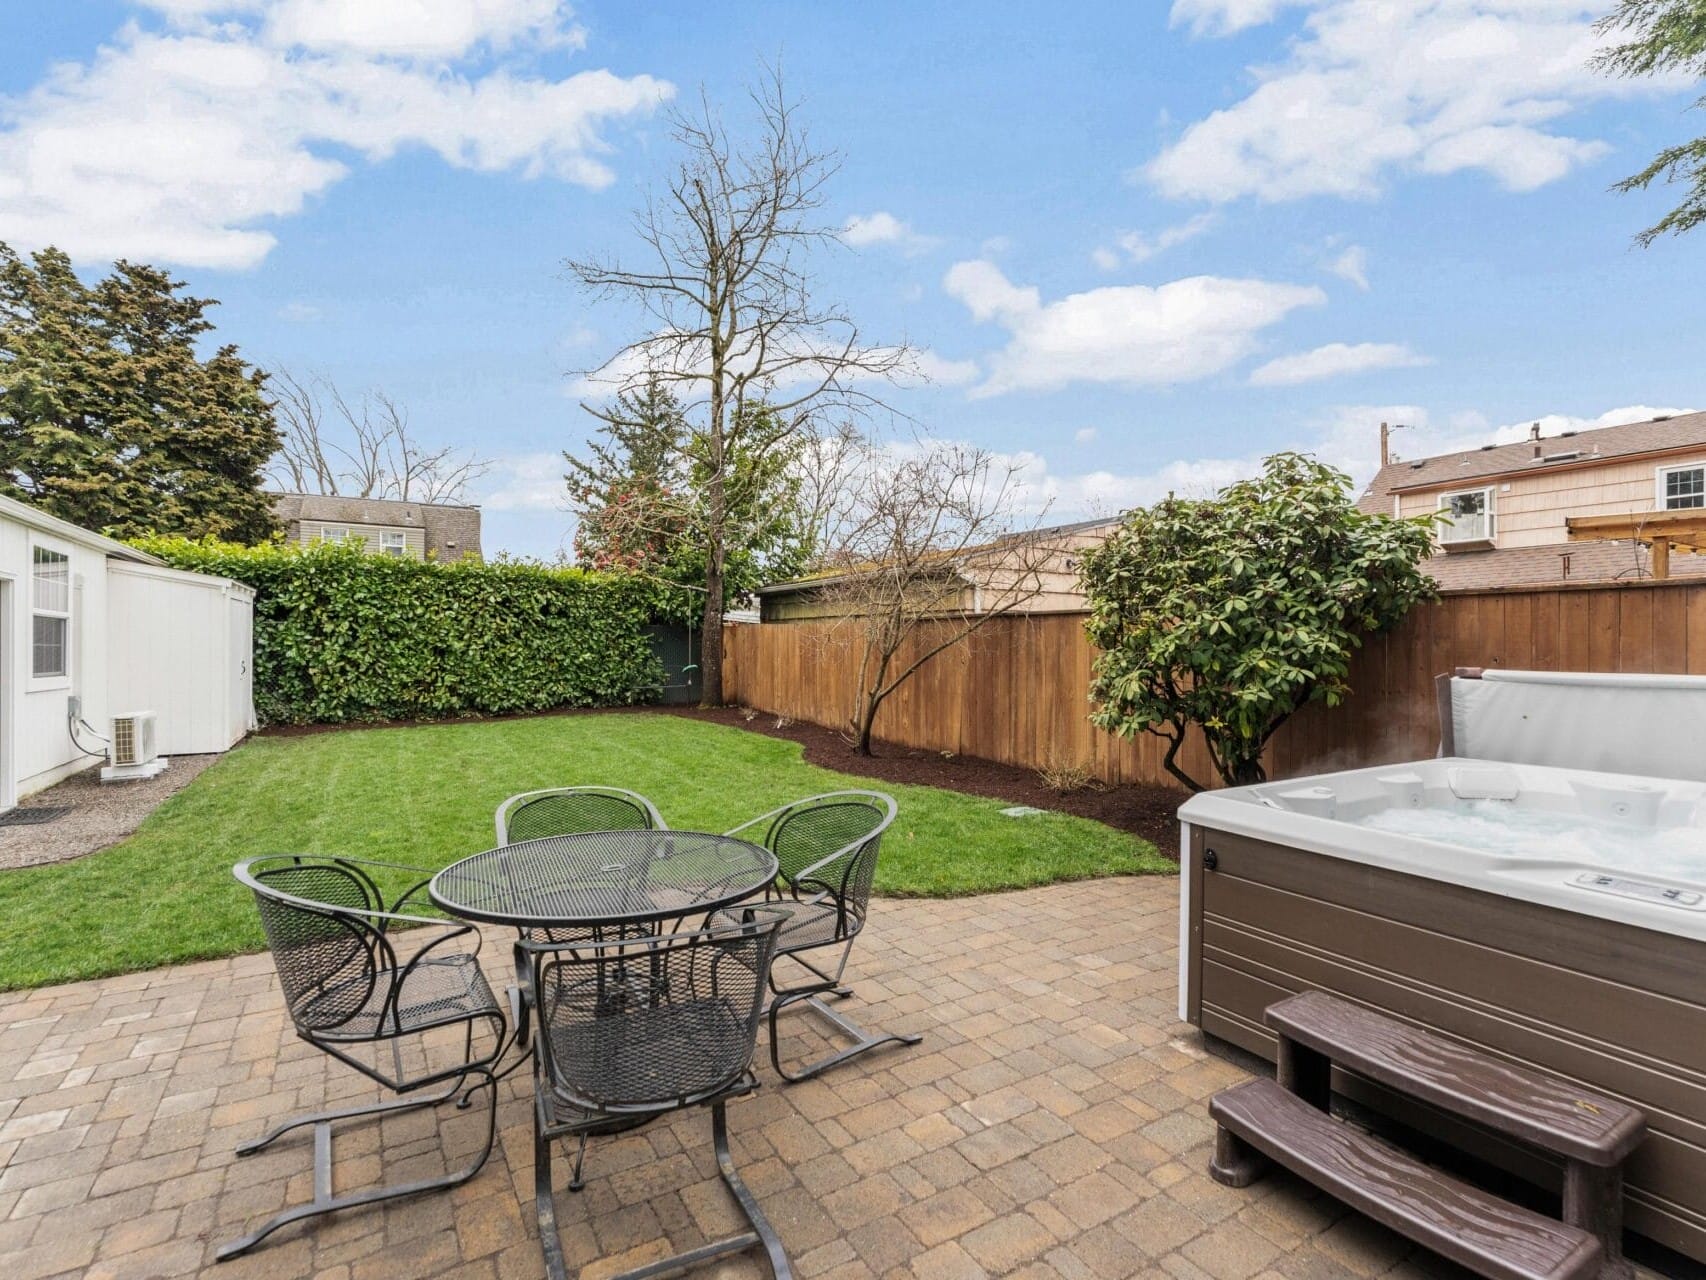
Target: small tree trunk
x=867, y=722
x=711, y=642
x=1246, y=771
x=1170, y=761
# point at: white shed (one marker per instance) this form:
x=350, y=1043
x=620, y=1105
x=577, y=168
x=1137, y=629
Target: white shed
x=68, y=613
x=179, y=645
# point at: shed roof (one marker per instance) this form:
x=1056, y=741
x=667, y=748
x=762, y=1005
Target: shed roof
x=31, y=517
x=1596, y=444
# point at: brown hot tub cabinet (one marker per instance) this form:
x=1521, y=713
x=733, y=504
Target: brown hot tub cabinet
x=1607, y=1002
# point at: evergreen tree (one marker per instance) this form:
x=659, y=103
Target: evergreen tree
x=641, y=492
x=1667, y=36
x=110, y=419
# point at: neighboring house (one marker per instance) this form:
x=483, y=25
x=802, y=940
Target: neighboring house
x=1584, y=506
x=968, y=582
x=421, y=530
x=88, y=621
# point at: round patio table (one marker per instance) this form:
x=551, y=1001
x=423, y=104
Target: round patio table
x=603, y=880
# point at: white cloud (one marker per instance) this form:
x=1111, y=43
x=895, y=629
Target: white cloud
x=1334, y=360
x=524, y=482
x=181, y=145
x=1137, y=247
x=419, y=28
x=299, y=312
x=942, y=371
x=1351, y=265
x=864, y=230
x=1372, y=89
x=1084, y=435
x=1133, y=335
x=1223, y=17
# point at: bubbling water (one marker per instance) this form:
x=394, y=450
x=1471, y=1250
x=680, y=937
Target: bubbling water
x=1500, y=827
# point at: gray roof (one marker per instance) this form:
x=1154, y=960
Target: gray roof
x=1596, y=444
x=1543, y=566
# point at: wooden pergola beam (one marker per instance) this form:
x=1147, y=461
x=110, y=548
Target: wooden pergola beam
x=1660, y=530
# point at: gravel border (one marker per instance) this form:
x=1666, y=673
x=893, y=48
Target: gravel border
x=105, y=813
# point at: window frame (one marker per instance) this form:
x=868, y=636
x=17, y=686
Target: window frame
x=399, y=548
x=326, y=533
x=1663, y=472
x=57, y=679
x=1488, y=513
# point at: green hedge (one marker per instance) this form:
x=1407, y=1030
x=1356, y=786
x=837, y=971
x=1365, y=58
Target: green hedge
x=344, y=635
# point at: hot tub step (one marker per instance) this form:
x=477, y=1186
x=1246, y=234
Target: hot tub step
x=1473, y=1228
x=1555, y=1115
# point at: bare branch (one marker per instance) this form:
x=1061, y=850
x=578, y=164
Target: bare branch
x=736, y=334
x=364, y=448
x=930, y=550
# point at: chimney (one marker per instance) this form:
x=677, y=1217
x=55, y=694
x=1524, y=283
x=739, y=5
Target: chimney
x=1534, y=432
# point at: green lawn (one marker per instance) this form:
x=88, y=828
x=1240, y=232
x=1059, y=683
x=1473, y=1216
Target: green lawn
x=425, y=796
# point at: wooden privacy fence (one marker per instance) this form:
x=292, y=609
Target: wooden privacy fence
x=1017, y=690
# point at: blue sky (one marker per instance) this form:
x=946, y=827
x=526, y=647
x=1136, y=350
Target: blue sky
x=1143, y=245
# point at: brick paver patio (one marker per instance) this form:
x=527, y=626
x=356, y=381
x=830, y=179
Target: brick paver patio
x=1053, y=1123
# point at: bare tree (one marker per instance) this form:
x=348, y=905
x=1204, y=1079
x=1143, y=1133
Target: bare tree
x=304, y=462
x=734, y=331
x=932, y=549
x=364, y=449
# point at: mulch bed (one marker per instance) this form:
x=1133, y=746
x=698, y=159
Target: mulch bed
x=1146, y=811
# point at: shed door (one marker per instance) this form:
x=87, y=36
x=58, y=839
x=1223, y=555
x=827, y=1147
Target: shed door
x=240, y=661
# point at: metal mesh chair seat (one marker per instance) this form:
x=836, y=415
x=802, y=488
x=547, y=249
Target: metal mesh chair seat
x=808, y=924
x=652, y=1055
x=826, y=850
x=437, y=991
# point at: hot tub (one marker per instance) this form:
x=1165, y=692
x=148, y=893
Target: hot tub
x=1551, y=915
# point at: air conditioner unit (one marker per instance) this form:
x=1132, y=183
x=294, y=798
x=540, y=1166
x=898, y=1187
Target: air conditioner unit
x=131, y=753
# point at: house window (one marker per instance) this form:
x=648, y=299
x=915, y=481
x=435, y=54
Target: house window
x=1470, y=513
x=334, y=533
x=1682, y=487
x=50, y=614
x=394, y=542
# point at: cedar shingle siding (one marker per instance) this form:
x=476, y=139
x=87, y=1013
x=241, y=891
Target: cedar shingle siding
x=428, y=531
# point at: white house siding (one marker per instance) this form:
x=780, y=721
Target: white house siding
x=194, y=631
x=41, y=751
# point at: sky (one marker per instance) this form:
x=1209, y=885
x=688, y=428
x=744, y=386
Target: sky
x=1138, y=246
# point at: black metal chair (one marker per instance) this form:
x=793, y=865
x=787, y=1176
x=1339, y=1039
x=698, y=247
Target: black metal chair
x=564, y=811
x=826, y=849
x=637, y=1027
x=561, y=811
x=351, y=979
